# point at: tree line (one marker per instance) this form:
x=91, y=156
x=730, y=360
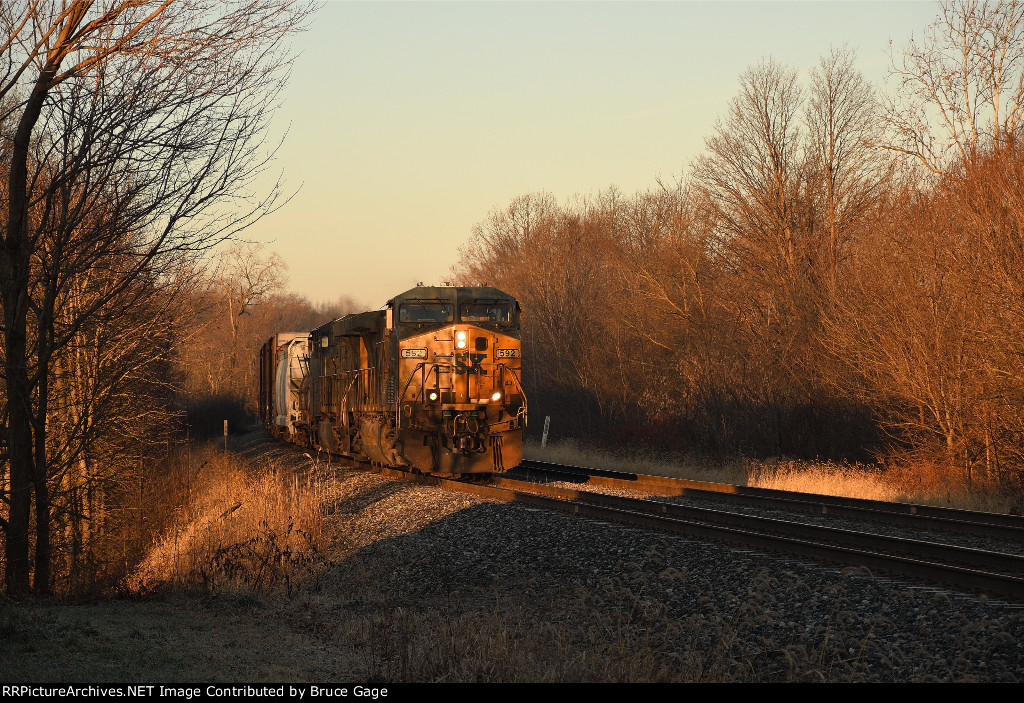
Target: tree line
x=836, y=276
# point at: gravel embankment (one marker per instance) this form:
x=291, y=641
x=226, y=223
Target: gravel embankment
x=673, y=608
x=418, y=584
x=769, y=617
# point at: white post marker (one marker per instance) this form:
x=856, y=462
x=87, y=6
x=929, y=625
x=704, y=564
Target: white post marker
x=547, y=425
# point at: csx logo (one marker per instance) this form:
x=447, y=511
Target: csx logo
x=466, y=362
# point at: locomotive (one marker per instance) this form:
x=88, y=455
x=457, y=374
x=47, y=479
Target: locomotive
x=432, y=382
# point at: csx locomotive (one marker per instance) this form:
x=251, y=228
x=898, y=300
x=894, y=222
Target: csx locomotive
x=432, y=382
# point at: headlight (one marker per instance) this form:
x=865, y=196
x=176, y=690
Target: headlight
x=460, y=340
x=496, y=396
x=432, y=396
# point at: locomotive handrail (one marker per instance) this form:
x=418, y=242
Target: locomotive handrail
x=343, y=401
x=515, y=378
x=409, y=382
x=340, y=404
x=434, y=366
x=398, y=403
x=423, y=381
x=355, y=375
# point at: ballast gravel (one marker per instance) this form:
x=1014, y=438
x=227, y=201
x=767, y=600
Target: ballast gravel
x=658, y=606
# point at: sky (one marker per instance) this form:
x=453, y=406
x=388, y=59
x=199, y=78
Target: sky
x=406, y=123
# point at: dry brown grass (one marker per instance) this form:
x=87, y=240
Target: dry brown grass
x=849, y=480
x=241, y=528
x=922, y=484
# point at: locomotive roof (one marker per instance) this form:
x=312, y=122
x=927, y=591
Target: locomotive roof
x=452, y=293
x=356, y=323
x=373, y=320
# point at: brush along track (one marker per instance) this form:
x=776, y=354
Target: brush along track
x=959, y=522
x=960, y=567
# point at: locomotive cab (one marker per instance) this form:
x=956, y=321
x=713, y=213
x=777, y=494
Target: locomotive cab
x=461, y=405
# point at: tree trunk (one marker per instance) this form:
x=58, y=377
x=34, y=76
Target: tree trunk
x=16, y=271
x=16, y=268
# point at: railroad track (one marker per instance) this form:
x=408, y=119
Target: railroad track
x=961, y=567
x=963, y=522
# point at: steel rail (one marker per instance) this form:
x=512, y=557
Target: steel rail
x=990, y=525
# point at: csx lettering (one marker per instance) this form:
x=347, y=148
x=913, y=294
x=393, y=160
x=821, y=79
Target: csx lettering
x=474, y=363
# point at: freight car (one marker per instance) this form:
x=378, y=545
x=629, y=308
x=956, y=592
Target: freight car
x=431, y=382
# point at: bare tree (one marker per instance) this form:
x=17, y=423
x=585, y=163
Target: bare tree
x=847, y=169
x=752, y=177
x=961, y=88
x=910, y=324
x=137, y=133
x=246, y=279
x=110, y=412
x=751, y=173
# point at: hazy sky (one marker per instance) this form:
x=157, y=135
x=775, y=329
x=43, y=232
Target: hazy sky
x=410, y=121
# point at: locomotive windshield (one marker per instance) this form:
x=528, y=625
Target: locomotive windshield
x=425, y=312
x=498, y=313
